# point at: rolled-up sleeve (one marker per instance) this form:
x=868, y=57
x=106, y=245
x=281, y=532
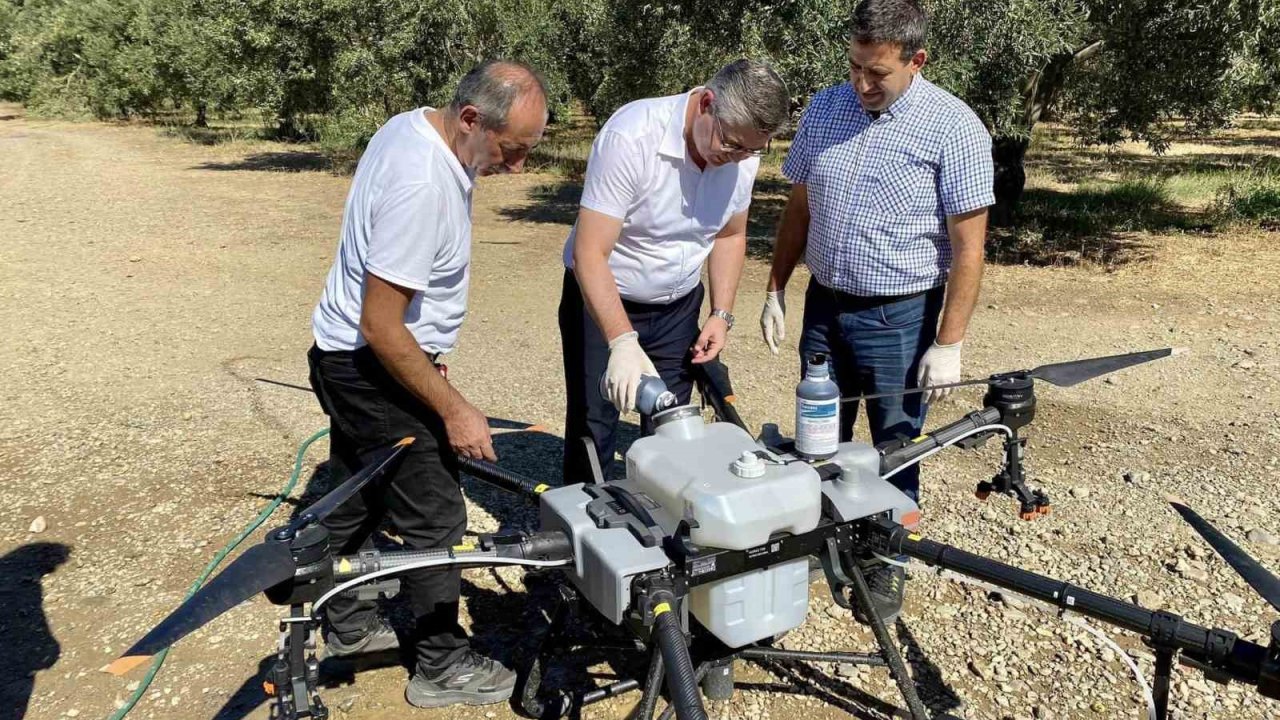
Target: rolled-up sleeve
x=966, y=173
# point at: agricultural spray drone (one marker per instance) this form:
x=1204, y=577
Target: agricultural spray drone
x=702, y=554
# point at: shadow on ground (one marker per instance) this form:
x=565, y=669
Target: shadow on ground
x=275, y=162
x=30, y=645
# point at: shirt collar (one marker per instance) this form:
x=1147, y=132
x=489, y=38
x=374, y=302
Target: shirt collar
x=673, y=139
x=465, y=177
x=899, y=106
x=902, y=104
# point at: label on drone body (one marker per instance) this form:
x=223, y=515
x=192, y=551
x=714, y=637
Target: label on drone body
x=817, y=426
x=702, y=566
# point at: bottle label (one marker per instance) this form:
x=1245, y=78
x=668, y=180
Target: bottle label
x=817, y=426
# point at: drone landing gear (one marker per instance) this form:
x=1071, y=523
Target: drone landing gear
x=1011, y=481
x=295, y=676
x=713, y=662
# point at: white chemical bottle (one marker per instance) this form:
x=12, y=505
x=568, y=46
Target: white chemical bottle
x=817, y=411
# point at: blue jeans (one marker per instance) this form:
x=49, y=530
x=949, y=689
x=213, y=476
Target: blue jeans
x=874, y=345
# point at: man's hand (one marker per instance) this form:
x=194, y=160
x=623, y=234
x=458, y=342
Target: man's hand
x=468, y=431
x=627, y=362
x=939, y=366
x=773, y=318
x=715, y=333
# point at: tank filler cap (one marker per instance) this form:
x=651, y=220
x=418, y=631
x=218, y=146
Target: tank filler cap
x=749, y=465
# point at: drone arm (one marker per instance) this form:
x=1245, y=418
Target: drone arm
x=897, y=454
x=1222, y=650
x=503, y=479
x=543, y=546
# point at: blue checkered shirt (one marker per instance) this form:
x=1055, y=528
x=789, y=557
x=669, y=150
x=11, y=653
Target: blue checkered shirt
x=880, y=190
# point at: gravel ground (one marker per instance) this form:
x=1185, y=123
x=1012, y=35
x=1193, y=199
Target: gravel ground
x=145, y=283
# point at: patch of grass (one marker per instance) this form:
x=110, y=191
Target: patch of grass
x=218, y=134
x=1253, y=197
x=1095, y=207
x=1089, y=223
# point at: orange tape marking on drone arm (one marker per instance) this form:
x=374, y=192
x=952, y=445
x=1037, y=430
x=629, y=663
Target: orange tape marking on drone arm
x=911, y=519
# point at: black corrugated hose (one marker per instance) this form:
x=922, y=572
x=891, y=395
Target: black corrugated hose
x=682, y=681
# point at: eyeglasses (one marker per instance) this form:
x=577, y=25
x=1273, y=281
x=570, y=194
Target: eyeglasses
x=735, y=149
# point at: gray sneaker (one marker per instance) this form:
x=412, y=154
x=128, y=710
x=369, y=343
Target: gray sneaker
x=380, y=639
x=472, y=680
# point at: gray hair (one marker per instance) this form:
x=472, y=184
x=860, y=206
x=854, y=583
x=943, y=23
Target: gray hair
x=750, y=94
x=492, y=87
x=899, y=22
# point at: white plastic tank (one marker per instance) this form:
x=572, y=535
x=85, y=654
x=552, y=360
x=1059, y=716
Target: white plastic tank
x=711, y=472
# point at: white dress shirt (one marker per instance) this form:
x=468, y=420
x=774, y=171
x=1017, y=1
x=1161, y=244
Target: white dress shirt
x=640, y=172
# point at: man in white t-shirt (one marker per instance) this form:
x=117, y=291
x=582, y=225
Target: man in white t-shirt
x=393, y=303
x=667, y=188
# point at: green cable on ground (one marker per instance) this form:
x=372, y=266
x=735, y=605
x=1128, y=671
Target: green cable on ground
x=217, y=559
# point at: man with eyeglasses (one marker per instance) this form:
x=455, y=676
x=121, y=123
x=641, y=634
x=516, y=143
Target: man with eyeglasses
x=393, y=304
x=891, y=180
x=667, y=188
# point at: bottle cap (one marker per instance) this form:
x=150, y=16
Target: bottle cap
x=749, y=465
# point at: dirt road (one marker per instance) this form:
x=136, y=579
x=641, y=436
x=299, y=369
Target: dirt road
x=146, y=282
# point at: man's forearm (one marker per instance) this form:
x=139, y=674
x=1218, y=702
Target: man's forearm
x=724, y=270
x=968, y=237
x=793, y=236
x=600, y=294
x=399, y=353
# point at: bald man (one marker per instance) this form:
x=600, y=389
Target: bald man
x=393, y=304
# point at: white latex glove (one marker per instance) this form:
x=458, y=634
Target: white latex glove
x=939, y=366
x=627, y=362
x=772, y=318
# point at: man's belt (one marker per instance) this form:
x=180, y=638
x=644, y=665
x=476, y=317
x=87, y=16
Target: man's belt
x=849, y=302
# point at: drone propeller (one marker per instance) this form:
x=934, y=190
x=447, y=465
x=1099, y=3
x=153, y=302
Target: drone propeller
x=321, y=508
x=1259, y=578
x=1063, y=374
x=257, y=569
x=1066, y=374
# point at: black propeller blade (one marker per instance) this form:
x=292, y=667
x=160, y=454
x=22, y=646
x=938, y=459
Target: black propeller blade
x=1258, y=577
x=258, y=568
x=330, y=502
x=500, y=426
x=1064, y=374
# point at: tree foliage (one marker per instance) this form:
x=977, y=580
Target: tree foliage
x=335, y=69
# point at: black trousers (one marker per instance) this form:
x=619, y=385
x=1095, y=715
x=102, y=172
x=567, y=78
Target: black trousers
x=667, y=332
x=369, y=410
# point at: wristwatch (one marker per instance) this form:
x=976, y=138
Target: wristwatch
x=724, y=315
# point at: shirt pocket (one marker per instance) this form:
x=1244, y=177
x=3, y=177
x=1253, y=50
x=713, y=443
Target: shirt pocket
x=901, y=186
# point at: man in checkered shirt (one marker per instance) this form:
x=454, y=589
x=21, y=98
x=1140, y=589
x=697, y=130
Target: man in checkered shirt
x=891, y=179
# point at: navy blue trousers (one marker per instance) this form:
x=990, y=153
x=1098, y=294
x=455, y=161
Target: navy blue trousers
x=667, y=332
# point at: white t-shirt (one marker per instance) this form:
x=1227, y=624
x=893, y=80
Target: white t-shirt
x=640, y=171
x=408, y=221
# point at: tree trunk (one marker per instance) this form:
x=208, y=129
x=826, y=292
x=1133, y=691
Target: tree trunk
x=1007, y=153
x=202, y=115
